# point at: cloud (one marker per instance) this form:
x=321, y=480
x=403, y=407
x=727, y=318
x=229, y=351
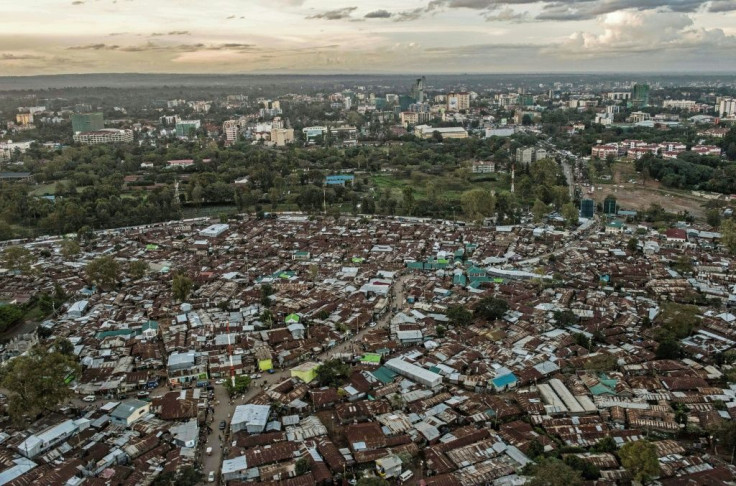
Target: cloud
x=94, y=47
x=378, y=14
x=173, y=32
x=336, y=14
x=564, y=10
x=18, y=57
x=77, y=2
x=626, y=33
x=722, y=6
x=507, y=15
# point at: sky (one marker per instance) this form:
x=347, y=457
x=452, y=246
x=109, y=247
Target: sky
x=372, y=36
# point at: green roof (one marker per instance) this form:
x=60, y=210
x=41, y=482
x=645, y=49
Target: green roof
x=371, y=358
x=116, y=332
x=601, y=389
x=292, y=318
x=384, y=375
x=151, y=247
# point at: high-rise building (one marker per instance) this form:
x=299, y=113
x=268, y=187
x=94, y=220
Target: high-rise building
x=186, y=128
x=231, y=128
x=24, y=118
x=640, y=96
x=587, y=208
x=282, y=136
x=417, y=90
x=458, y=101
x=727, y=107
x=87, y=122
x=609, y=205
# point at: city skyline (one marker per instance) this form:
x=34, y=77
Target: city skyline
x=340, y=37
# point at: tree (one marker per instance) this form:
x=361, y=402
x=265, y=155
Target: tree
x=332, y=373
x=103, y=271
x=187, y=476
x=37, y=382
x=668, y=348
x=477, y=204
x=640, y=458
x=266, y=292
x=459, y=315
x=539, y=210
x=242, y=382
x=18, y=259
x=303, y=466
x=197, y=195
x=491, y=308
x=9, y=315
x=725, y=434
x=683, y=264
x=570, y=213
x=633, y=244
x=408, y=202
x=587, y=469
x=69, y=249
x=181, y=285
x=137, y=269
x=728, y=235
x=601, y=362
x=713, y=217
x=606, y=444
x=677, y=321
x=64, y=346
x=535, y=449
x=565, y=318
x=553, y=472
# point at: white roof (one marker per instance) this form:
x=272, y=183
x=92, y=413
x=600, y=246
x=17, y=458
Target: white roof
x=234, y=465
x=251, y=414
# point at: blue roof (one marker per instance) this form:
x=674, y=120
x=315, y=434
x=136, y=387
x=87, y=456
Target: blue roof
x=504, y=380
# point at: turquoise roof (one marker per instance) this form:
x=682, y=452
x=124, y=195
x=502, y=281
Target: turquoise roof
x=384, y=375
x=503, y=380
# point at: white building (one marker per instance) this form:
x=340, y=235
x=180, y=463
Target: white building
x=414, y=372
x=251, y=418
x=36, y=444
x=107, y=135
x=77, y=309
x=727, y=106
x=215, y=230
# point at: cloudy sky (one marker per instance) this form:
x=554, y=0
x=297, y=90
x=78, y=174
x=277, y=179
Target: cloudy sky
x=373, y=36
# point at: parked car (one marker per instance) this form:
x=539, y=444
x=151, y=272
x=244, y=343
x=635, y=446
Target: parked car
x=271, y=371
x=142, y=394
x=220, y=381
x=209, y=451
x=211, y=477
x=223, y=425
x=89, y=398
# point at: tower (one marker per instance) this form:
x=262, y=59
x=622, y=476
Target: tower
x=513, y=176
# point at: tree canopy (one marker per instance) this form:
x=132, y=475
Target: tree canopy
x=640, y=458
x=181, y=286
x=37, y=382
x=554, y=472
x=242, y=382
x=332, y=373
x=103, y=271
x=491, y=308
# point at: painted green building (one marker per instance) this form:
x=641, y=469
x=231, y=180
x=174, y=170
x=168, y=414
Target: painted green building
x=87, y=122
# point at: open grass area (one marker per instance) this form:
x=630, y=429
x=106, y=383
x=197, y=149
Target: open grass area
x=449, y=187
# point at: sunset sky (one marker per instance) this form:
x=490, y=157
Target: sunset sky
x=374, y=36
